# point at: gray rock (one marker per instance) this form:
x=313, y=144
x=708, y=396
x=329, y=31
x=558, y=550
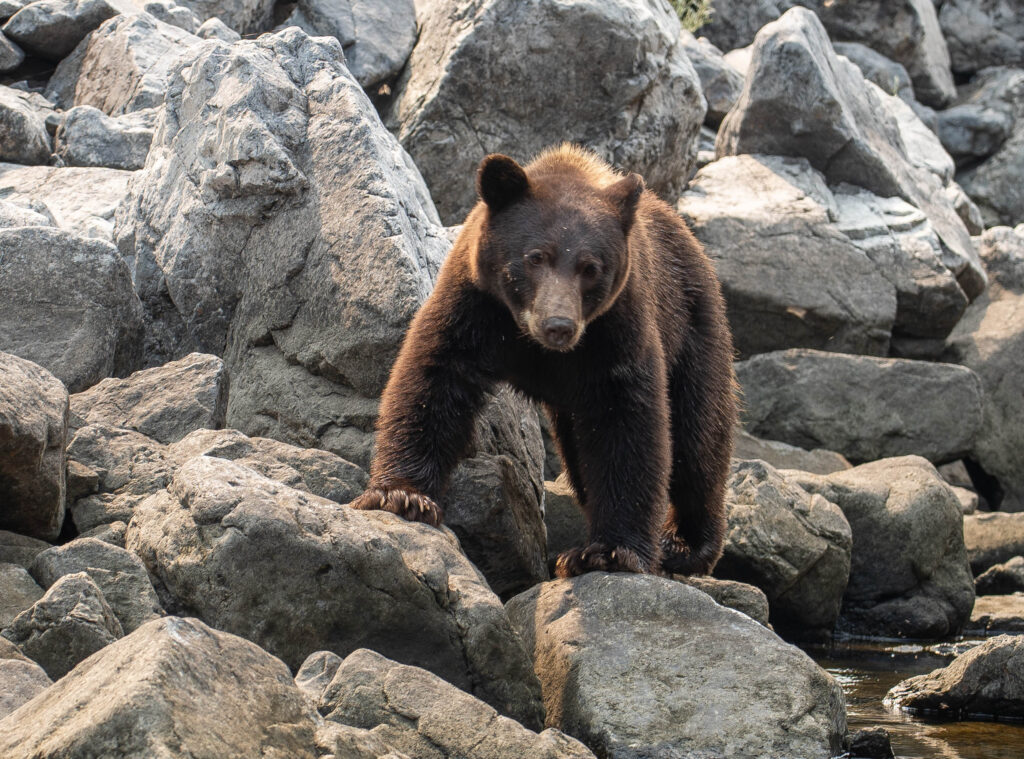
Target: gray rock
x=966, y=208
x=117, y=572
x=865, y=408
x=789, y=277
x=990, y=340
x=635, y=98
x=165, y=403
x=23, y=135
x=334, y=740
x=985, y=682
x=79, y=200
x=33, y=433
x=52, y=28
x=377, y=35
x=19, y=549
x=20, y=682
x=563, y=520
x=993, y=538
x=994, y=615
x=735, y=23
x=88, y=137
x=909, y=575
x=71, y=622
x=719, y=81
x=9, y=7
x=994, y=184
x=243, y=219
x=855, y=133
x=122, y=67
x=970, y=131
x=215, y=29
x=331, y=579
x=421, y=715
x=112, y=533
x=16, y=215
x=171, y=13
x=740, y=596
x=69, y=305
x=244, y=16
x=969, y=500
x=792, y=545
x=871, y=743
x=640, y=666
x=316, y=674
x=11, y=56
x=982, y=33
x=891, y=77
x=172, y=686
x=1001, y=579
x=746, y=447
x=18, y=591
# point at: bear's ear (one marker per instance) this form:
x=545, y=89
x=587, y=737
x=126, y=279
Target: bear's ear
x=500, y=181
x=624, y=196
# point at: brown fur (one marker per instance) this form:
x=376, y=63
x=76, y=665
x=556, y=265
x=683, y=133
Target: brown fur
x=589, y=294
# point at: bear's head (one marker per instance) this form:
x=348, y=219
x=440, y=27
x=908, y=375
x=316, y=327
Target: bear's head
x=554, y=245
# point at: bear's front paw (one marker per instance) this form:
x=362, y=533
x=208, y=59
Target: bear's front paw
x=598, y=557
x=679, y=559
x=411, y=506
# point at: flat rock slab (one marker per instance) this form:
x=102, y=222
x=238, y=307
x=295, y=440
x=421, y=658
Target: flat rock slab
x=993, y=538
x=641, y=666
x=173, y=687
x=747, y=447
x=863, y=407
x=241, y=549
x=984, y=683
x=33, y=435
x=993, y=615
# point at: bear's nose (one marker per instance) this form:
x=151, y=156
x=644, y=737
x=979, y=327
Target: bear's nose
x=558, y=331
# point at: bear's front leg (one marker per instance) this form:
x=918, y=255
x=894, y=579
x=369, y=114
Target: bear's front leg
x=622, y=437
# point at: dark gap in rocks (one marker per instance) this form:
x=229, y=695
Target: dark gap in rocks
x=33, y=74
x=68, y=531
x=987, y=486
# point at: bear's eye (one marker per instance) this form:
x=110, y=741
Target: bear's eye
x=588, y=270
x=534, y=257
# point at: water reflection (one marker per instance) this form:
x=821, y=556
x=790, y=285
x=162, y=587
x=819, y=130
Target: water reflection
x=866, y=671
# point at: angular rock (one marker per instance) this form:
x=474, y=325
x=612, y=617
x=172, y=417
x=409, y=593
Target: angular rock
x=215, y=29
x=117, y=572
x=123, y=66
x=377, y=35
x=865, y=408
x=240, y=549
x=637, y=665
x=855, y=133
x=735, y=23
x=23, y=135
x=52, y=28
x=11, y=56
x=245, y=219
x=909, y=575
x=891, y=77
x=71, y=622
x=740, y=596
x=17, y=215
x=993, y=184
x=112, y=533
x=792, y=545
x=969, y=500
x=18, y=591
x=982, y=33
x=244, y=16
x=421, y=715
x=336, y=740
x=1001, y=579
x=69, y=305
x=19, y=549
x=20, y=682
x=994, y=615
x=720, y=82
x=789, y=277
x=990, y=341
x=88, y=137
x=973, y=130
x=635, y=99
x=79, y=200
x=171, y=687
x=993, y=539
x=33, y=434
x=165, y=403
x=746, y=447
x=985, y=682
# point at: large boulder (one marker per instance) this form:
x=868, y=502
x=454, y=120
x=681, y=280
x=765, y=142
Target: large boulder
x=23, y=135
x=792, y=545
x=790, y=277
x=421, y=715
x=641, y=666
x=18, y=591
x=33, y=434
x=848, y=129
x=165, y=403
x=985, y=682
x=863, y=407
x=735, y=23
x=71, y=622
x=993, y=538
x=69, y=305
x=983, y=33
x=19, y=549
x=173, y=687
x=990, y=340
x=240, y=550
x=909, y=575
x=51, y=28
x=480, y=70
x=719, y=81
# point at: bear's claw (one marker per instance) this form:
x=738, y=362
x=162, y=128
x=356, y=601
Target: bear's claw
x=679, y=559
x=598, y=557
x=409, y=505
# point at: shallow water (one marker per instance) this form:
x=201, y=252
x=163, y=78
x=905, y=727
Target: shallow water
x=866, y=671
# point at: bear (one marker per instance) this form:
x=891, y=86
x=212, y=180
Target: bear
x=587, y=293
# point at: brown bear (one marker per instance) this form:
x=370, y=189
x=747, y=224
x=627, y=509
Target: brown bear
x=589, y=294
